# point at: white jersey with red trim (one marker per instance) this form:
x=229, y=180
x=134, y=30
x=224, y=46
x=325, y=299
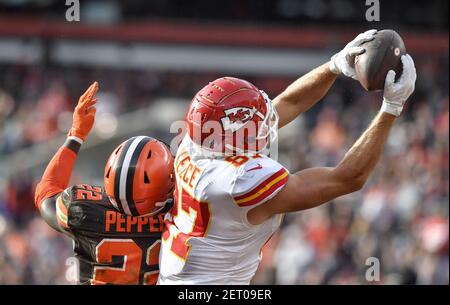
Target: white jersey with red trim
x=208, y=239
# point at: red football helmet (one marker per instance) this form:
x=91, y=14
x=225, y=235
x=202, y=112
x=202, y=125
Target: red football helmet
x=230, y=116
x=139, y=176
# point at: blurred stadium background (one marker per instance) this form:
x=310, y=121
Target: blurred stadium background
x=150, y=57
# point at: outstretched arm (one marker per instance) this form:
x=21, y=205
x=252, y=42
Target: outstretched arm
x=306, y=91
x=57, y=174
x=312, y=187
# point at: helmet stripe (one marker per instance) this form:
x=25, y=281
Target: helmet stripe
x=124, y=173
x=117, y=170
x=130, y=177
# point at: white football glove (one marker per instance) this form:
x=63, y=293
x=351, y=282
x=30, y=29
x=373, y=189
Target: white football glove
x=396, y=93
x=344, y=61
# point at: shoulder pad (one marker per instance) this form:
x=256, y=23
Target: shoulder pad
x=258, y=180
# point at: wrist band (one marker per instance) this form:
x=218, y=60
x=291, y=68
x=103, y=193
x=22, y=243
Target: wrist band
x=76, y=139
x=332, y=65
x=391, y=109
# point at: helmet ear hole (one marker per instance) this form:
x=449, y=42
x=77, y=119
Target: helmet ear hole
x=109, y=171
x=146, y=179
x=149, y=154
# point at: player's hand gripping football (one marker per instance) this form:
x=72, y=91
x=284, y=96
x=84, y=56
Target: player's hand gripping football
x=344, y=61
x=396, y=93
x=84, y=114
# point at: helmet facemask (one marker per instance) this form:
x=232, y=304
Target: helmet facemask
x=267, y=131
x=269, y=127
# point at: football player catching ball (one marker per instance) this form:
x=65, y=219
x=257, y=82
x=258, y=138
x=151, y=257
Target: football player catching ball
x=230, y=198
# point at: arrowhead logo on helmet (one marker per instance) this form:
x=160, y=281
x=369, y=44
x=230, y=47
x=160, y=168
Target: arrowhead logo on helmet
x=235, y=118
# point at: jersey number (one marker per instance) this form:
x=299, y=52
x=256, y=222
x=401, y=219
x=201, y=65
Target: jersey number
x=129, y=272
x=89, y=192
x=194, y=216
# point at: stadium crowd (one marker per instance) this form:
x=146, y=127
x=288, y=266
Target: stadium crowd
x=400, y=217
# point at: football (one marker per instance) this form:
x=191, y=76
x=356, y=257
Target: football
x=382, y=54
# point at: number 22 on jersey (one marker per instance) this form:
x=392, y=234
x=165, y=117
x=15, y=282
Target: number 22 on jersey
x=130, y=271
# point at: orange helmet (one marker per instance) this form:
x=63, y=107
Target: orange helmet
x=139, y=177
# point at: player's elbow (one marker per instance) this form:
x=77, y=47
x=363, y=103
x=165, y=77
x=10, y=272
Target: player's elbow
x=356, y=184
x=44, y=189
x=352, y=179
x=38, y=195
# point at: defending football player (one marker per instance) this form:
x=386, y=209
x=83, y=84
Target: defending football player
x=230, y=198
x=117, y=228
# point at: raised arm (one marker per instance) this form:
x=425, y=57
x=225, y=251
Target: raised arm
x=306, y=91
x=312, y=187
x=56, y=176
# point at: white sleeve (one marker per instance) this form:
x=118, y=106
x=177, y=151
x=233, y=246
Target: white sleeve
x=258, y=180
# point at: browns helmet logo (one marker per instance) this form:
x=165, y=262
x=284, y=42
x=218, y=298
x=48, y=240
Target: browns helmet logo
x=236, y=118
